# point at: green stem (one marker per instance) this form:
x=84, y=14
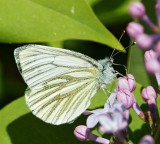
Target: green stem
x=156, y=134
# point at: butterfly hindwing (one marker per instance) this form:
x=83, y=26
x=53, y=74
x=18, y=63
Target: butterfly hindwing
x=63, y=99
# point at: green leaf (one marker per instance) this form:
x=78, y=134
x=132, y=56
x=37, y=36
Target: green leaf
x=100, y=98
x=0, y=82
x=136, y=65
x=48, y=21
x=19, y=126
x=137, y=127
x=111, y=12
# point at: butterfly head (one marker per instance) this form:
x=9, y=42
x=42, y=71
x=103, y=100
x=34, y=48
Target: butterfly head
x=107, y=73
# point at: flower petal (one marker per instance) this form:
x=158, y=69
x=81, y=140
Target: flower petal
x=92, y=120
x=107, y=123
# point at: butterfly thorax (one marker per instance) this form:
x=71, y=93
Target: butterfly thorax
x=107, y=73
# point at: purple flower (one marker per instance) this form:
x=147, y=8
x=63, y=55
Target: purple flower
x=127, y=82
x=134, y=29
x=144, y=41
x=149, y=95
x=125, y=97
x=137, y=10
x=112, y=104
x=83, y=133
x=152, y=64
x=113, y=122
x=94, y=118
x=147, y=140
x=110, y=107
x=138, y=110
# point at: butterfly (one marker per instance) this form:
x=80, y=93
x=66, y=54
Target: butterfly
x=60, y=82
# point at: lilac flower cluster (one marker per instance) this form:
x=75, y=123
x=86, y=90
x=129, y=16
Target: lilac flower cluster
x=114, y=117
x=150, y=43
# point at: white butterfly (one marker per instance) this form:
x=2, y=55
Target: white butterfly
x=60, y=82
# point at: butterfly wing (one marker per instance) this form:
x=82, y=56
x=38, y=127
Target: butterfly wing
x=60, y=82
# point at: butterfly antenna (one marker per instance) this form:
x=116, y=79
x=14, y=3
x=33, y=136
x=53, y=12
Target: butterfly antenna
x=132, y=44
x=112, y=54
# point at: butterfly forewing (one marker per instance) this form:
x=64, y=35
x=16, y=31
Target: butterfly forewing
x=39, y=63
x=60, y=82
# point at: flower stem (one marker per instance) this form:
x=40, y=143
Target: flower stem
x=156, y=133
x=158, y=12
x=154, y=27
x=98, y=139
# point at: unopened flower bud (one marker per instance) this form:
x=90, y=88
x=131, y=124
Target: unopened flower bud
x=137, y=10
x=125, y=97
x=147, y=140
x=131, y=81
x=152, y=65
x=134, y=29
x=128, y=82
x=144, y=41
x=148, y=93
x=83, y=133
